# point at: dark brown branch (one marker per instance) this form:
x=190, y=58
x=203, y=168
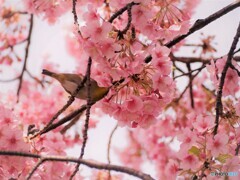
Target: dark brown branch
x=72, y=123
x=75, y=17
x=26, y=56
x=121, y=11
x=219, y=107
x=181, y=95
x=190, y=72
x=235, y=52
x=190, y=59
x=88, y=108
x=190, y=85
x=91, y=164
x=41, y=161
x=129, y=11
x=237, y=149
x=66, y=119
x=197, y=59
x=234, y=68
x=200, y=23
x=69, y=102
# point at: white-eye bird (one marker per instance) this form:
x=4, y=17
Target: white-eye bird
x=70, y=82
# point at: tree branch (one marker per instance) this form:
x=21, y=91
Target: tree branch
x=91, y=164
x=190, y=85
x=109, y=143
x=200, y=23
x=26, y=56
x=234, y=68
x=237, y=149
x=67, y=118
x=75, y=17
x=41, y=161
x=88, y=108
x=121, y=11
x=222, y=80
x=109, y=147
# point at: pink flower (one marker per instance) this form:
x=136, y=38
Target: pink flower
x=149, y=106
x=232, y=81
x=91, y=14
x=203, y=124
x=162, y=83
x=237, y=107
x=187, y=137
x=94, y=29
x=189, y=162
x=160, y=52
x=163, y=66
x=171, y=169
x=217, y=145
x=232, y=164
x=133, y=103
x=147, y=120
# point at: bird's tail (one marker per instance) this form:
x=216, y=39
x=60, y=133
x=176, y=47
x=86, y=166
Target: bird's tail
x=47, y=72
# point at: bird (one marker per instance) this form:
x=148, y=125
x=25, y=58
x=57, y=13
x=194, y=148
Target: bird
x=70, y=82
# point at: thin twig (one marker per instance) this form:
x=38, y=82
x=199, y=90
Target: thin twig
x=88, y=108
x=129, y=11
x=185, y=74
x=90, y=164
x=69, y=125
x=110, y=142
x=75, y=17
x=64, y=120
x=26, y=56
x=200, y=23
x=121, y=11
x=11, y=46
x=190, y=85
x=234, y=68
x=8, y=80
x=219, y=107
x=237, y=149
x=197, y=59
x=34, y=169
x=35, y=78
x=181, y=95
x=109, y=148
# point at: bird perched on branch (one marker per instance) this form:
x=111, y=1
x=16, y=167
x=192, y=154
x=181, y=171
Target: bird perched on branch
x=70, y=82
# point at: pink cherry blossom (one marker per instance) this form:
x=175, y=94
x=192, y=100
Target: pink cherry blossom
x=217, y=145
x=133, y=104
x=189, y=162
x=203, y=123
x=187, y=137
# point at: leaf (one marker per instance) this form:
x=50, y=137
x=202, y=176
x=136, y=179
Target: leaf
x=223, y=157
x=194, y=150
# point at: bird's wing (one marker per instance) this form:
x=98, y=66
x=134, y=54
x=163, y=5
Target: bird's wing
x=74, y=78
